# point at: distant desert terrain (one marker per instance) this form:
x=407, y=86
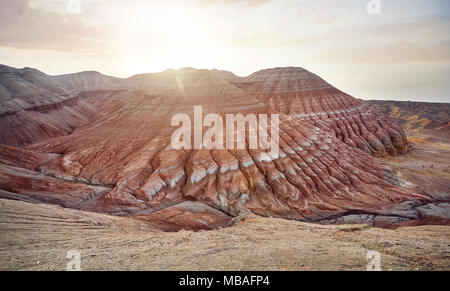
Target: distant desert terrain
x=38, y=237
x=427, y=126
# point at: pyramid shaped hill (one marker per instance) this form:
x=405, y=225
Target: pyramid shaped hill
x=121, y=160
x=304, y=95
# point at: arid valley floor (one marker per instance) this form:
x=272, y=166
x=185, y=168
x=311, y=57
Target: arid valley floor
x=38, y=237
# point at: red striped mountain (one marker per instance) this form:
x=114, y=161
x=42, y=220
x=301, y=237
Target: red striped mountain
x=304, y=95
x=120, y=160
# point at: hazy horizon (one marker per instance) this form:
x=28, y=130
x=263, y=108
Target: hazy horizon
x=403, y=53
x=444, y=101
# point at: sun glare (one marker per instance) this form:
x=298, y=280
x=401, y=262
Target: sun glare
x=163, y=30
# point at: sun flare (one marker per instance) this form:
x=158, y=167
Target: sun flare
x=161, y=30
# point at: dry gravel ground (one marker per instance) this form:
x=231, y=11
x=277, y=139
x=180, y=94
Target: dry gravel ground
x=38, y=237
x=427, y=165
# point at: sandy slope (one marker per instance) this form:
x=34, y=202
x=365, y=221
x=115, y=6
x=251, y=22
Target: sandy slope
x=38, y=237
x=426, y=165
x=428, y=130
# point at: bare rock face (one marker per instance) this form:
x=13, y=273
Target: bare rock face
x=418, y=117
x=27, y=88
x=21, y=184
x=125, y=151
x=187, y=215
x=87, y=81
x=19, y=157
x=185, y=82
x=302, y=94
x=35, y=106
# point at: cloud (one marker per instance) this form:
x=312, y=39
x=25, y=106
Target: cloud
x=11, y=10
x=397, y=53
x=420, y=40
x=417, y=40
x=25, y=26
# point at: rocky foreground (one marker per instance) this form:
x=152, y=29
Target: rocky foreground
x=421, y=119
x=38, y=237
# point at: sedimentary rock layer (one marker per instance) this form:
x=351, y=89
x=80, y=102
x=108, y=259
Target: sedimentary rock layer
x=319, y=172
x=34, y=106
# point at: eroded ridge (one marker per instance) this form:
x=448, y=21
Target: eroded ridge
x=122, y=162
x=302, y=94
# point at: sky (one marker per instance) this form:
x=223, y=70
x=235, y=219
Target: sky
x=398, y=50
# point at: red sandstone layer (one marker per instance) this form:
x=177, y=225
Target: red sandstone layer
x=302, y=94
x=125, y=150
